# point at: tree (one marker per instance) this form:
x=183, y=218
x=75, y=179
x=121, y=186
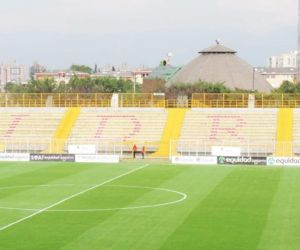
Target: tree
x=286, y=87
x=81, y=68
x=182, y=89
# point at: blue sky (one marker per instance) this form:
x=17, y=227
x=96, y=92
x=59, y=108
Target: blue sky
x=58, y=33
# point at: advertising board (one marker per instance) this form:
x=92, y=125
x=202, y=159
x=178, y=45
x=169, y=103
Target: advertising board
x=14, y=157
x=243, y=160
x=283, y=161
x=225, y=151
x=52, y=157
x=82, y=149
x=196, y=160
x=98, y=158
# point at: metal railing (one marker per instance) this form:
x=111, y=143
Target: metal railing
x=198, y=100
x=124, y=148
x=56, y=146
x=248, y=148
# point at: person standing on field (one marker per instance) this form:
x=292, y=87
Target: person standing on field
x=143, y=151
x=134, y=150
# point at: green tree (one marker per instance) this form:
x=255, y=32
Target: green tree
x=182, y=89
x=81, y=68
x=286, y=87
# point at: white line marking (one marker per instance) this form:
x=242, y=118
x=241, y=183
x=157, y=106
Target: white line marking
x=183, y=197
x=71, y=197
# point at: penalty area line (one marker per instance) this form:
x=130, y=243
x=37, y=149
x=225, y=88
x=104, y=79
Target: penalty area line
x=71, y=197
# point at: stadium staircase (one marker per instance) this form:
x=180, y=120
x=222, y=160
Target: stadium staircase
x=171, y=131
x=284, y=136
x=63, y=130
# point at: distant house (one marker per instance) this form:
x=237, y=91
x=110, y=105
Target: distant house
x=276, y=76
x=61, y=76
x=134, y=75
x=158, y=77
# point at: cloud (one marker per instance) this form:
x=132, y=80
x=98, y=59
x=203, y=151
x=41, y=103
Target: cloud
x=79, y=16
x=140, y=31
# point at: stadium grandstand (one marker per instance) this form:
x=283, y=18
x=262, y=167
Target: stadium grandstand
x=140, y=171
x=49, y=123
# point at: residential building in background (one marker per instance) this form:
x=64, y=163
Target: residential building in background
x=136, y=75
x=276, y=76
x=13, y=73
x=36, y=68
x=60, y=76
x=285, y=60
x=280, y=68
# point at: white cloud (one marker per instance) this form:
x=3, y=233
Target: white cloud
x=132, y=26
x=77, y=16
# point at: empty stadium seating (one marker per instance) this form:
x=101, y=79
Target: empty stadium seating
x=28, y=128
x=108, y=127
x=253, y=130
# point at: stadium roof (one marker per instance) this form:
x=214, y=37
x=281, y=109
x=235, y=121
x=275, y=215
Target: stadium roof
x=221, y=64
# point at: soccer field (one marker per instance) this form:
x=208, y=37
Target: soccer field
x=135, y=205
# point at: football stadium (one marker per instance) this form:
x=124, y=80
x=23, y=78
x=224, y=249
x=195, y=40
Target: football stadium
x=140, y=171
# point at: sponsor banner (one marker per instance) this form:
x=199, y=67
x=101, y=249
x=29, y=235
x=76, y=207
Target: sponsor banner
x=98, y=158
x=52, y=157
x=14, y=157
x=82, y=149
x=243, y=160
x=225, y=151
x=196, y=160
x=283, y=161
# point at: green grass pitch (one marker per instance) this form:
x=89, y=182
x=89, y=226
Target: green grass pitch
x=157, y=206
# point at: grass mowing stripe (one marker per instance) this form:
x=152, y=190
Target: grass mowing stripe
x=233, y=215
x=71, y=197
x=54, y=231
x=152, y=228
x=282, y=230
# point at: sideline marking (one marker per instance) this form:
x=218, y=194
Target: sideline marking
x=71, y=197
x=183, y=197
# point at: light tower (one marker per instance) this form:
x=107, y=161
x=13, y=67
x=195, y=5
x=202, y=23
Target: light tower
x=298, y=44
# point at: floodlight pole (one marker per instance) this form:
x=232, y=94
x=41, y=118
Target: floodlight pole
x=134, y=82
x=253, y=77
x=298, y=45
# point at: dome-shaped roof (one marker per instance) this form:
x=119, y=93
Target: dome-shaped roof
x=218, y=49
x=221, y=64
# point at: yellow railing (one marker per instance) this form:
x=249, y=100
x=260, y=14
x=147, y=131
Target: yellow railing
x=55, y=100
x=233, y=100
x=198, y=100
x=142, y=100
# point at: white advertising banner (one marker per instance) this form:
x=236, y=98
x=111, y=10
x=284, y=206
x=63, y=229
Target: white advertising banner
x=14, y=157
x=82, y=149
x=225, y=151
x=283, y=161
x=98, y=158
x=195, y=160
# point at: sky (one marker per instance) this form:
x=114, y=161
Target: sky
x=59, y=33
